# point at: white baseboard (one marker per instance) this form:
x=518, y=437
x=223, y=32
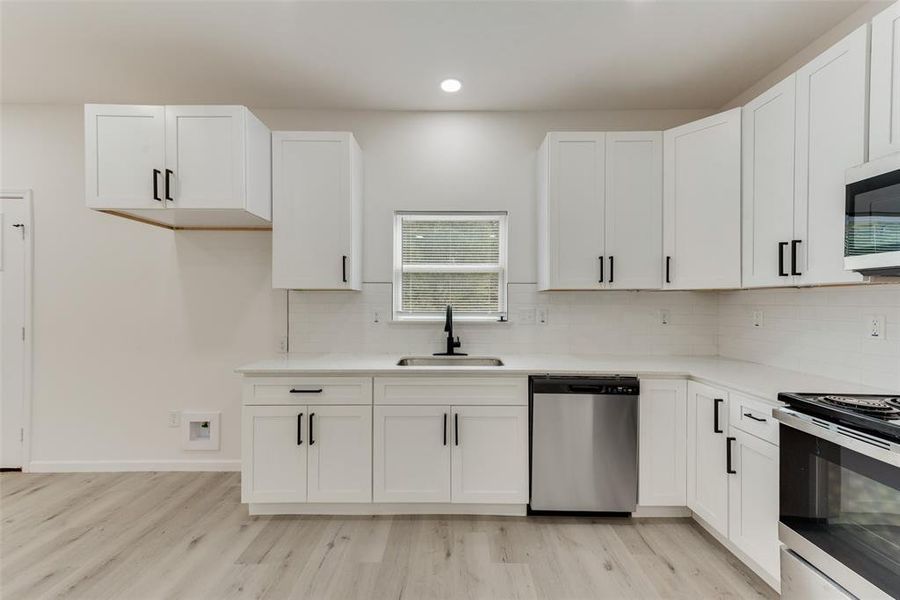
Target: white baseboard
x=111, y=466
x=298, y=508
x=643, y=512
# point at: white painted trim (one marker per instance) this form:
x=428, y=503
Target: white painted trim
x=420, y=508
x=111, y=466
x=29, y=323
x=654, y=512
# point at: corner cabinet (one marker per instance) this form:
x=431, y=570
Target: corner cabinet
x=884, y=87
x=179, y=167
x=702, y=203
x=317, y=186
x=600, y=210
x=662, y=439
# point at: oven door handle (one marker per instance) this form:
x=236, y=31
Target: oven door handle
x=880, y=450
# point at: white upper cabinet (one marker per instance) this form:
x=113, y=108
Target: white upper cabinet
x=317, y=211
x=599, y=210
x=702, y=203
x=634, y=210
x=884, y=87
x=161, y=163
x=768, y=182
x=830, y=138
x=571, y=207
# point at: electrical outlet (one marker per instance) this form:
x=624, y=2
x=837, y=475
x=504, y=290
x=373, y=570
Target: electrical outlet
x=543, y=314
x=174, y=418
x=757, y=318
x=664, y=316
x=874, y=327
x=376, y=315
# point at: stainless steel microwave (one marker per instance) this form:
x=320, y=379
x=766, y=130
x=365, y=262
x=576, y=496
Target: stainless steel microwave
x=872, y=220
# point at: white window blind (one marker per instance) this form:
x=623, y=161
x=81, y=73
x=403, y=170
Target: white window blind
x=449, y=258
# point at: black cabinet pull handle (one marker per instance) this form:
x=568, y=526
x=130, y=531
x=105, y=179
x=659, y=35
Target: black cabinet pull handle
x=344, y=269
x=296, y=391
x=299, y=429
x=668, y=269
x=794, y=244
x=311, y=439
x=168, y=195
x=716, y=402
x=445, y=429
x=156, y=174
x=612, y=269
x=456, y=428
x=600, y=258
x=728, y=468
x=781, y=247
x=755, y=418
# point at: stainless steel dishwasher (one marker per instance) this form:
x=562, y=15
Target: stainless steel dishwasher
x=584, y=444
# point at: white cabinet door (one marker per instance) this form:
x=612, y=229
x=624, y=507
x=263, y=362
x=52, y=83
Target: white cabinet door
x=316, y=210
x=753, y=500
x=767, y=137
x=830, y=137
x=702, y=203
x=411, y=454
x=490, y=454
x=274, y=445
x=340, y=454
x=662, y=418
x=707, y=480
x=124, y=153
x=634, y=210
x=884, y=87
x=205, y=150
x=571, y=210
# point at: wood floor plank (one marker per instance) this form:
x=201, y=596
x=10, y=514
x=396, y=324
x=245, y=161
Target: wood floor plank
x=186, y=536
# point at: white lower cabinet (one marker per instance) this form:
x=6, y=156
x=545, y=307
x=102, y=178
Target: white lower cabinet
x=662, y=439
x=490, y=454
x=707, y=479
x=753, y=499
x=274, y=454
x=411, y=454
x=340, y=454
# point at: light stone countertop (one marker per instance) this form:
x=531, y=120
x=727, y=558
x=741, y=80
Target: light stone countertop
x=751, y=378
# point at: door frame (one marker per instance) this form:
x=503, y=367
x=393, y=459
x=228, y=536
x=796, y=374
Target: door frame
x=25, y=196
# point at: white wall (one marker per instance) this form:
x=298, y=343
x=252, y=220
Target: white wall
x=132, y=321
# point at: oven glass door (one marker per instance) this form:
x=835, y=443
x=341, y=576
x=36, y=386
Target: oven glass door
x=844, y=502
x=873, y=215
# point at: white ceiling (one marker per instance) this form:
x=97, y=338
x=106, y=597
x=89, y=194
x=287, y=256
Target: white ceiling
x=375, y=55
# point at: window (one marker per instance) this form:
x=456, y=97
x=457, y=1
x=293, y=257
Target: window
x=449, y=258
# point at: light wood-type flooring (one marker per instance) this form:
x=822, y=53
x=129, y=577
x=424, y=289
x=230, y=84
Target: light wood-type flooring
x=186, y=535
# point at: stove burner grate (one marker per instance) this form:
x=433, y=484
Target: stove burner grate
x=882, y=407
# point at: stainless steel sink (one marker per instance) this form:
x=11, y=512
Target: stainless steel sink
x=449, y=361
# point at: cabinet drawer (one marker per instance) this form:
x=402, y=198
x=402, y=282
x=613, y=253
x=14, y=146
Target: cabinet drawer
x=754, y=417
x=458, y=391
x=308, y=390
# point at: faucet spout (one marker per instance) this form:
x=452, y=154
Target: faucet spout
x=452, y=343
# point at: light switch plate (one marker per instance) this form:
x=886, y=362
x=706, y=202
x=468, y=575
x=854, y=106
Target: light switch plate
x=874, y=327
x=543, y=315
x=757, y=318
x=665, y=316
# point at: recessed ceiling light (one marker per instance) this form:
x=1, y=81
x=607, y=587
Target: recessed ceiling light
x=451, y=86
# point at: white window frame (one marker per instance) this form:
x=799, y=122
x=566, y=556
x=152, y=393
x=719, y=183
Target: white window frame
x=501, y=268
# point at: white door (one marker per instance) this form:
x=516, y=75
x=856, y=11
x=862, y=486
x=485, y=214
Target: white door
x=15, y=240
x=702, y=203
x=340, y=454
x=411, y=454
x=124, y=156
x=767, y=137
x=311, y=210
x=830, y=138
x=575, y=210
x=274, y=447
x=490, y=454
x=707, y=480
x=205, y=150
x=634, y=210
x=662, y=418
x=753, y=500
x=884, y=87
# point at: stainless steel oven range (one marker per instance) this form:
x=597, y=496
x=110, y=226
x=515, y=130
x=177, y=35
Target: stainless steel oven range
x=839, y=496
